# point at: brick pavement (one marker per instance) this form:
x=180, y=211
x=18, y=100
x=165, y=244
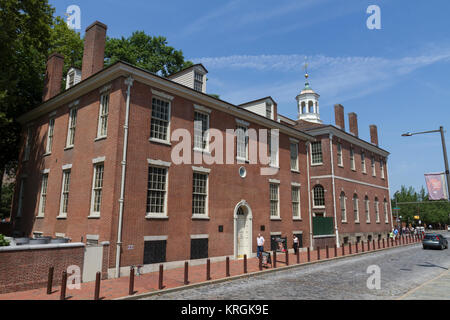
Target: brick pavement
x=174, y=278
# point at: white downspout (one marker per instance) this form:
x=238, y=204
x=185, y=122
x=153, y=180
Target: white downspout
x=129, y=83
x=309, y=198
x=334, y=191
x=389, y=195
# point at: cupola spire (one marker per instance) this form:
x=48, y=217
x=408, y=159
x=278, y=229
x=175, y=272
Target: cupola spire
x=308, y=101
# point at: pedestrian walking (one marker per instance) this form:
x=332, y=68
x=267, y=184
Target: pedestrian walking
x=260, y=244
x=295, y=244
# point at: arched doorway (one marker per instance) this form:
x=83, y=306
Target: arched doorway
x=242, y=230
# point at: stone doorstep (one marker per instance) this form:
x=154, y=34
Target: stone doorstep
x=252, y=274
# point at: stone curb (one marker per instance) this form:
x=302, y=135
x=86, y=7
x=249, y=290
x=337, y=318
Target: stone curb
x=252, y=274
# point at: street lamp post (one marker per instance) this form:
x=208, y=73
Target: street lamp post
x=444, y=150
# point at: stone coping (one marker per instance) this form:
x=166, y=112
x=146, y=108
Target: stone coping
x=42, y=246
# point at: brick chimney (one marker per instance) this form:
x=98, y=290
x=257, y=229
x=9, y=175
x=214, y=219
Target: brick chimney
x=374, y=134
x=94, y=49
x=353, y=123
x=339, y=116
x=53, y=76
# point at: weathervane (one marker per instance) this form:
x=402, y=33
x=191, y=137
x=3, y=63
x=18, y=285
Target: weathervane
x=305, y=67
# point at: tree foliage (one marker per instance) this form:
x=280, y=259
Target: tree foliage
x=29, y=33
x=67, y=42
x=430, y=212
x=25, y=29
x=147, y=52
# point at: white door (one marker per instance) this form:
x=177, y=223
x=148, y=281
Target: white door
x=93, y=258
x=243, y=233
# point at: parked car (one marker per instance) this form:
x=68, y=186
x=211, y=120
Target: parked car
x=448, y=228
x=433, y=240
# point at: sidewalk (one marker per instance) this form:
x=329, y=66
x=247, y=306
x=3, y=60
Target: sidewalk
x=435, y=289
x=174, y=278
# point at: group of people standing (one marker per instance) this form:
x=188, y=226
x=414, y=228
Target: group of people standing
x=260, y=245
x=397, y=232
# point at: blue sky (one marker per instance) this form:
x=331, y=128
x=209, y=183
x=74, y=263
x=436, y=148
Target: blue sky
x=396, y=77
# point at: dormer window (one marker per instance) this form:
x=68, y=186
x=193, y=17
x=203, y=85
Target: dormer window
x=198, y=81
x=71, y=78
x=269, y=111
x=193, y=77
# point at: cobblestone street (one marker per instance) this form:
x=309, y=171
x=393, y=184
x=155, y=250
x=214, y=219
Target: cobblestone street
x=402, y=269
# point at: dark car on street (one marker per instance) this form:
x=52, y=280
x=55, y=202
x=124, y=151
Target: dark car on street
x=437, y=241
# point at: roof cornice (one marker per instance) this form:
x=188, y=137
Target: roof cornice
x=124, y=69
x=348, y=137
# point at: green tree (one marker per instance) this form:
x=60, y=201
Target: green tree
x=25, y=31
x=67, y=42
x=147, y=52
x=407, y=211
x=5, y=200
x=28, y=35
x=430, y=212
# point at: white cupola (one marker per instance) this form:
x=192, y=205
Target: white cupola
x=308, y=104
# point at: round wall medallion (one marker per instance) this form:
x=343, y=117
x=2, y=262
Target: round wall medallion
x=242, y=172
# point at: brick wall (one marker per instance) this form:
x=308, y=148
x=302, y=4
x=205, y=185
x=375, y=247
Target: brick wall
x=25, y=268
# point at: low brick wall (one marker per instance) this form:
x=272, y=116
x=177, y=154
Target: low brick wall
x=26, y=267
x=322, y=242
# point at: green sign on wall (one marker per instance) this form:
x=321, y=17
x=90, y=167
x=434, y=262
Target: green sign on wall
x=323, y=226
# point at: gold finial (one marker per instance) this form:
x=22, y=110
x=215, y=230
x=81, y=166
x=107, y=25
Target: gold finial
x=305, y=67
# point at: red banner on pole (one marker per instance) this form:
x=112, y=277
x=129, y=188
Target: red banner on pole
x=437, y=188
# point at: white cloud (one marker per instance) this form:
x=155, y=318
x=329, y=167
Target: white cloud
x=238, y=14
x=337, y=79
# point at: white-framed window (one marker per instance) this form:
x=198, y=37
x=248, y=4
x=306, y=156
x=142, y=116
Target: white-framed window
x=272, y=155
x=382, y=169
x=318, y=197
x=43, y=197
x=159, y=126
x=374, y=171
x=72, y=126
x=316, y=153
x=65, y=193
x=294, y=157
x=200, y=194
x=296, y=202
x=102, y=127
x=377, y=210
x=198, y=81
x=50, y=133
x=343, y=207
x=367, y=208
x=21, y=197
x=269, y=111
x=97, y=188
x=201, y=127
x=27, y=148
x=274, y=200
x=242, y=142
x=71, y=78
x=363, y=162
x=386, y=217
x=157, y=191
x=356, y=208
x=340, y=162
x=352, y=159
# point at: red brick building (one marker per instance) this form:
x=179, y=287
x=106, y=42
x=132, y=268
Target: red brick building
x=109, y=160
x=348, y=176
